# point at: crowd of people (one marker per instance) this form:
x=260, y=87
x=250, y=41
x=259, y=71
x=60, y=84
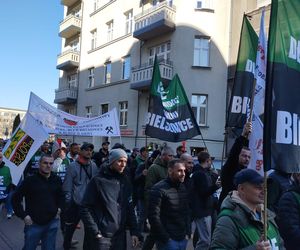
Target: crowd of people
x=163, y=199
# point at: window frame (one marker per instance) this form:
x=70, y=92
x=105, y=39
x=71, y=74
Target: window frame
x=107, y=74
x=124, y=66
x=91, y=77
x=198, y=107
x=197, y=52
x=88, y=111
x=93, y=39
x=123, y=113
x=129, y=22
x=110, y=30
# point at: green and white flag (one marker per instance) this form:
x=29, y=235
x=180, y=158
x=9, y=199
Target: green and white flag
x=170, y=117
x=282, y=103
x=242, y=90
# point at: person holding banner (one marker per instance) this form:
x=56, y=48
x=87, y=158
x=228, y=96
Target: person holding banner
x=239, y=225
x=238, y=159
x=43, y=203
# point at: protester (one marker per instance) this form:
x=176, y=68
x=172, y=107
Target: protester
x=73, y=151
x=157, y=172
x=5, y=187
x=188, y=162
x=169, y=215
x=238, y=159
x=33, y=165
x=288, y=216
x=61, y=162
x=205, y=184
x=179, y=151
x=79, y=174
x=278, y=182
x=43, y=202
x=102, y=155
x=108, y=196
x=240, y=222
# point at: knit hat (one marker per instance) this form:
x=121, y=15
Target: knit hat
x=56, y=146
x=116, y=154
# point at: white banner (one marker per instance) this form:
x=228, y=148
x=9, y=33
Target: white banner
x=256, y=137
x=58, y=122
x=26, y=140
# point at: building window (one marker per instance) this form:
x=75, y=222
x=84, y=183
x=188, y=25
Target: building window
x=128, y=22
x=201, y=51
x=123, y=109
x=162, y=52
x=110, y=30
x=72, y=81
x=96, y=5
x=204, y=4
x=107, y=74
x=126, y=68
x=88, y=110
x=74, y=45
x=91, y=82
x=199, y=107
x=103, y=108
x=94, y=39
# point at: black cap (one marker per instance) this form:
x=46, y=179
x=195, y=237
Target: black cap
x=105, y=143
x=248, y=175
x=86, y=146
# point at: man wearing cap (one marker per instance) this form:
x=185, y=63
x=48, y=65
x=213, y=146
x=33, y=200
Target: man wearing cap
x=102, y=155
x=240, y=222
x=107, y=206
x=79, y=174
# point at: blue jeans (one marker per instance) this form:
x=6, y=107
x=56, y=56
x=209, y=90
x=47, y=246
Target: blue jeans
x=204, y=226
x=172, y=245
x=45, y=233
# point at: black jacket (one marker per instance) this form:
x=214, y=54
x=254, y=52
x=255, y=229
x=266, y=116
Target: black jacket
x=231, y=167
x=107, y=204
x=288, y=218
x=43, y=197
x=204, y=202
x=100, y=157
x=169, y=212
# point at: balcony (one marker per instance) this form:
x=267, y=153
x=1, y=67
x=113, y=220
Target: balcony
x=155, y=21
x=141, y=76
x=68, y=2
x=68, y=60
x=70, y=26
x=66, y=95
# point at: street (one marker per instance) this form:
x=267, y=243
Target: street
x=12, y=236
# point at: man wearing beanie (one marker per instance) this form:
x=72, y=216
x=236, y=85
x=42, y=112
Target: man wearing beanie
x=107, y=208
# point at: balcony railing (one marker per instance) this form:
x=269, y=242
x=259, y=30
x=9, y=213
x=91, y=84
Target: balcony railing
x=155, y=21
x=141, y=75
x=68, y=60
x=70, y=26
x=69, y=2
x=65, y=95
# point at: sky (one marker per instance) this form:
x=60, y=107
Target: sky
x=29, y=45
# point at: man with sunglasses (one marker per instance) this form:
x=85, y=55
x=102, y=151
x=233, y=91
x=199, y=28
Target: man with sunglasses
x=43, y=202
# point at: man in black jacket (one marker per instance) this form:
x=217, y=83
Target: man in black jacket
x=205, y=184
x=102, y=155
x=43, y=202
x=107, y=206
x=169, y=213
x=238, y=159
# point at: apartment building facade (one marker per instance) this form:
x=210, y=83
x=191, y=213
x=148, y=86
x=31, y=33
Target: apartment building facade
x=7, y=117
x=108, y=49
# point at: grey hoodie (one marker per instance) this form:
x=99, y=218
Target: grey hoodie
x=76, y=180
